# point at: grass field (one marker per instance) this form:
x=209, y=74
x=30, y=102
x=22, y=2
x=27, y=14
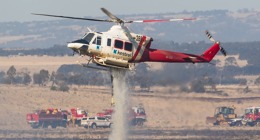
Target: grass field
x=165, y=107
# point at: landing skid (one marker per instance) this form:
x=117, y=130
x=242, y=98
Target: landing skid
x=99, y=66
x=90, y=65
x=103, y=66
x=110, y=66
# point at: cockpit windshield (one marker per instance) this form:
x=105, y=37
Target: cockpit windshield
x=85, y=39
x=88, y=37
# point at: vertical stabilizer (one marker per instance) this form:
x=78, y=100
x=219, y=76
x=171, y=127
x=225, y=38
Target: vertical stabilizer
x=211, y=52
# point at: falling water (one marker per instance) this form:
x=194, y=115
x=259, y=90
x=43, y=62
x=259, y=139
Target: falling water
x=120, y=124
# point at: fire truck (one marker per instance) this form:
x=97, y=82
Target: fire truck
x=76, y=116
x=251, y=116
x=136, y=115
x=49, y=117
x=55, y=118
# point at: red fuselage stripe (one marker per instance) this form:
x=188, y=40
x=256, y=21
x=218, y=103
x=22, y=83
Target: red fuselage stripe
x=139, y=47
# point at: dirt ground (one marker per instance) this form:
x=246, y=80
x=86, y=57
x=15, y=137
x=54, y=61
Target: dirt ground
x=170, y=114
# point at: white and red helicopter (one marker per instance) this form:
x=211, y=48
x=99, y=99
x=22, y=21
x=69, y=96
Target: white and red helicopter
x=121, y=48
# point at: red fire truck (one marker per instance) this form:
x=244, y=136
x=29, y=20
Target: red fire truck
x=252, y=116
x=55, y=118
x=137, y=115
x=76, y=116
x=49, y=117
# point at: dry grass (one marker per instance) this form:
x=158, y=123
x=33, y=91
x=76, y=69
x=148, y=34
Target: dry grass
x=166, y=108
x=36, y=63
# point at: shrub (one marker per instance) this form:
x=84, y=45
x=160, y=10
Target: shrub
x=64, y=87
x=53, y=88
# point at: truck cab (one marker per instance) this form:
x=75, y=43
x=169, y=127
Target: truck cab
x=77, y=115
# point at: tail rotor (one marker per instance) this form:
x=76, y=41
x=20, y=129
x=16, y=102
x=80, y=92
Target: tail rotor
x=222, y=50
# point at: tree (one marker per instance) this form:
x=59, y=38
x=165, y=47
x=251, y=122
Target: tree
x=11, y=72
x=257, y=81
x=26, y=79
x=231, y=61
x=37, y=79
x=53, y=78
x=142, y=76
x=197, y=86
x=243, y=82
x=23, y=77
x=210, y=82
x=64, y=87
x=2, y=74
x=41, y=78
x=44, y=75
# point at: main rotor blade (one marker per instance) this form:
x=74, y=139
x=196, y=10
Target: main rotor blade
x=113, y=17
x=160, y=20
x=78, y=18
x=129, y=36
x=116, y=19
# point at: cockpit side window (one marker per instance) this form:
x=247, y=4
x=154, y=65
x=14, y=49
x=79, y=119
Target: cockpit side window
x=108, y=42
x=99, y=40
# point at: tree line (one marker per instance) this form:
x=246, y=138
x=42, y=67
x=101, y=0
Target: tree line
x=189, y=77
x=246, y=50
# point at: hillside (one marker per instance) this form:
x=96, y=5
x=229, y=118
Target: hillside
x=240, y=26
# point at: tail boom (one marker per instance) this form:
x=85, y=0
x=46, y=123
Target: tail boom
x=155, y=55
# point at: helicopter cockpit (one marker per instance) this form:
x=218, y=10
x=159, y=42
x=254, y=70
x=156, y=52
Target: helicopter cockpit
x=82, y=45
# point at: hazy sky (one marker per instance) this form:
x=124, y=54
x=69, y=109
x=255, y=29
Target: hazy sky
x=19, y=10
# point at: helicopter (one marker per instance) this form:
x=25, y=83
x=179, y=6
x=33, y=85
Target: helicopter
x=120, y=48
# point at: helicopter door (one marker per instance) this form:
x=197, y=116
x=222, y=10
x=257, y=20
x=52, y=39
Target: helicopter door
x=99, y=47
x=107, y=49
x=97, y=41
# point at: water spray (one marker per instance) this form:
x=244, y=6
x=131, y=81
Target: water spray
x=120, y=94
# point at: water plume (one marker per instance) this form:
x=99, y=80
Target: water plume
x=120, y=89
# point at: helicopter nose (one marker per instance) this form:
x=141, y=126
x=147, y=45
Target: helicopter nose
x=74, y=46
